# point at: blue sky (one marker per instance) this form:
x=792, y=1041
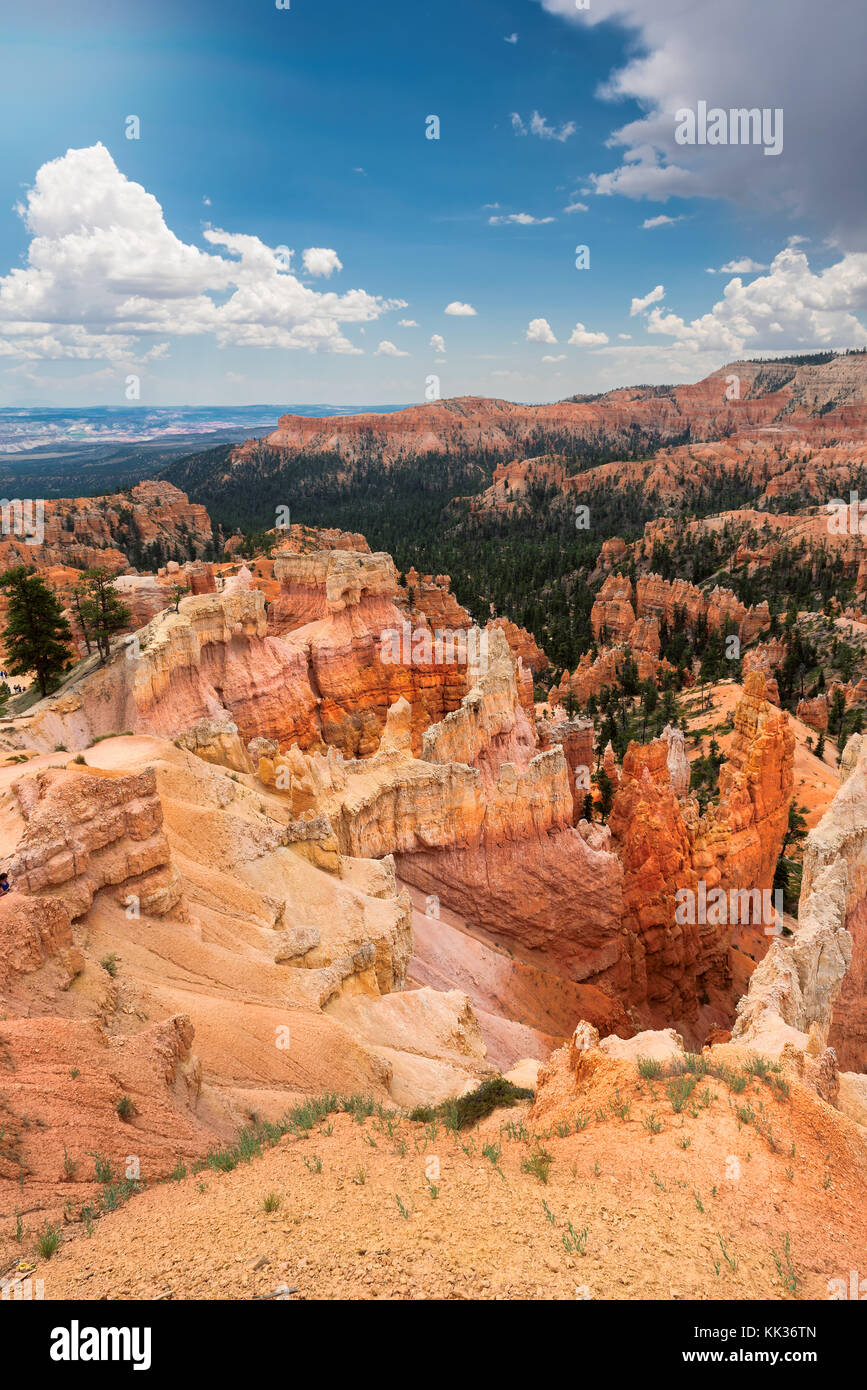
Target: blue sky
x=305, y=128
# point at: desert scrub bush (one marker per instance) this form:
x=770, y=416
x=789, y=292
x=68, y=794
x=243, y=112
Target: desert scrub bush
x=463, y=1111
x=48, y=1241
x=109, y=964
x=652, y=1124
x=271, y=1201
x=126, y=1108
x=70, y=1165
x=538, y=1164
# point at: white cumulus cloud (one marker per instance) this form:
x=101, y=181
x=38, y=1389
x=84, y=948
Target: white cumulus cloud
x=387, y=349
x=582, y=337
x=806, y=308
x=539, y=331
x=437, y=342
x=745, y=266
x=320, y=260
x=105, y=276
x=459, y=310
x=639, y=305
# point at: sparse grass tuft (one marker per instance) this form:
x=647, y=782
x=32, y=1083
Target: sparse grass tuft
x=538, y=1163
x=49, y=1240
x=790, y=1281
x=649, y=1068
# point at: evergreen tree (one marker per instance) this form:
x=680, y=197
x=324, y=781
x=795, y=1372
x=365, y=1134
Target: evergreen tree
x=178, y=591
x=102, y=611
x=606, y=792
x=36, y=636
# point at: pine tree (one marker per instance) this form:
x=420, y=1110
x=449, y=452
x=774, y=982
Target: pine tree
x=37, y=635
x=102, y=611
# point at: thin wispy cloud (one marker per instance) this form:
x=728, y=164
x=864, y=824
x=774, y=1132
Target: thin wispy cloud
x=518, y=219
x=539, y=127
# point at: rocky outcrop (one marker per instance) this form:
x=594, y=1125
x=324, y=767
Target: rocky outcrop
x=680, y=963
x=80, y=532
x=575, y=737
x=217, y=742
x=654, y=847
x=59, y=1106
x=720, y=608
x=85, y=832
x=483, y=820
x=814, y=712
x=738, y=841
x=327, y=682
x=339, y=609
x=677, y=760
x=432, y=596
x=32, y=931
x=612, y=616
x=836, y=853
x=524, y=645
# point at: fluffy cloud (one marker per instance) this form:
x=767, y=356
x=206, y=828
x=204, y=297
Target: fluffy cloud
x=387, y=349
x=561, y=357
x=790, y=307
x=511, y=38
x=661, y=221
x=745, y=266
x=576, y=207
x=320, y=260
x=521, y=219
x=539, y=331
x=437, y=342
x=407, y=323
x=105, y=275
x=777, y=54
x=459, y=310
x=582, y=337
x=639, y=305
x=540, y=127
